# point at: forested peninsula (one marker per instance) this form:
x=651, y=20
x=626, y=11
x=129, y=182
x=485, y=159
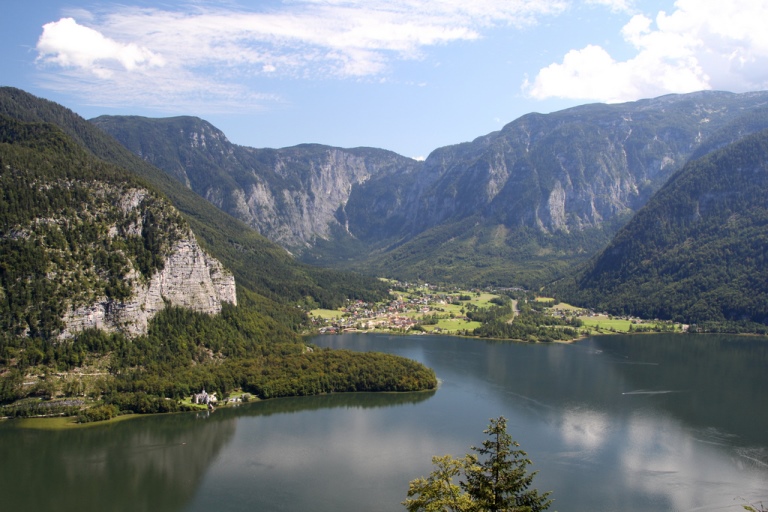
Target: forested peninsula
x=113, y=300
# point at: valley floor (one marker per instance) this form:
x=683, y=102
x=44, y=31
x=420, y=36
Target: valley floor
x=430, y=310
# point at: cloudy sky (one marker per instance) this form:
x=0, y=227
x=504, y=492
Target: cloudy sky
x=404, y=75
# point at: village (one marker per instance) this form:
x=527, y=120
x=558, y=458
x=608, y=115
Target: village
x=424, y=308
x=406, y=311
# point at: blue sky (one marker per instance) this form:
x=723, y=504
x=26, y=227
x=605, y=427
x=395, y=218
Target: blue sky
x=404, y=75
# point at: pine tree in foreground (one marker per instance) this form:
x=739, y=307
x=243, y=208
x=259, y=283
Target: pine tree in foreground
x=496, y=479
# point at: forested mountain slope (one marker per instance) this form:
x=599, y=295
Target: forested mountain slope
x=697, y=252
x=83, y=244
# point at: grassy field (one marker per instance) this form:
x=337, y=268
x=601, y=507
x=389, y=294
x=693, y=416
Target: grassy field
x=326, y=314
x=451, y=308
x=483, y=300
x=602, y=323
x=565, y=307
x=68, y=422
x=452, y=325
x=605, y=323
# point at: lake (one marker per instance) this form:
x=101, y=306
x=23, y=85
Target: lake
x=631, y=423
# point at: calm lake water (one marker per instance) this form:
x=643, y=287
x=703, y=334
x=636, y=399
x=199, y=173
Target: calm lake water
x=624, y=423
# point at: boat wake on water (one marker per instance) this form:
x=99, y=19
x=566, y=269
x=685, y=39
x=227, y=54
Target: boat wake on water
x=651, y=392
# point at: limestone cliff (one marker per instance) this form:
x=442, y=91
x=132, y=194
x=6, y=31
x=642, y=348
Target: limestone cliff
x=187, y=277
x=294, y=196
x=190, y=278
x=85, y=245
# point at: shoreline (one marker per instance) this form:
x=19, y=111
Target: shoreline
x=54, y=423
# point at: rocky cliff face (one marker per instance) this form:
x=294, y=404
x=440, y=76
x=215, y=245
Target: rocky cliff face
x=190, y=278
x=83, y=244
x=296, y=196
x=293, y=196
x=558, y=173
x=560, y=184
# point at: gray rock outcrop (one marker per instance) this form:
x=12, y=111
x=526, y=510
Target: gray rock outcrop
x=190, y=278
x=293, y=196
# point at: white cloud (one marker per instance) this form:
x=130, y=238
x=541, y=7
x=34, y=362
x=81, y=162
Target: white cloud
x=318, y=36
x=70, y=45
x=216, y=48
x=614, y=5
x=702, y=44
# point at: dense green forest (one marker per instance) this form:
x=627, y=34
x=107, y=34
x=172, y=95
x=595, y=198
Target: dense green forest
x=66, y=240
x=696, y=253
x=529, y=325
x=185, y=352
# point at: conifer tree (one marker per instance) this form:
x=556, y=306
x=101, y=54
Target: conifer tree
x=495, y=479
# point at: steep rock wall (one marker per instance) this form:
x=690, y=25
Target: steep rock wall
x=190, y=278
x=290, y=195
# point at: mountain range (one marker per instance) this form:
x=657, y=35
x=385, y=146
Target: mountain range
x=652, y=208
x=519, y=206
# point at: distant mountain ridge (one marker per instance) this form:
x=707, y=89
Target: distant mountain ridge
x=515, y=206
x=290, y=195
